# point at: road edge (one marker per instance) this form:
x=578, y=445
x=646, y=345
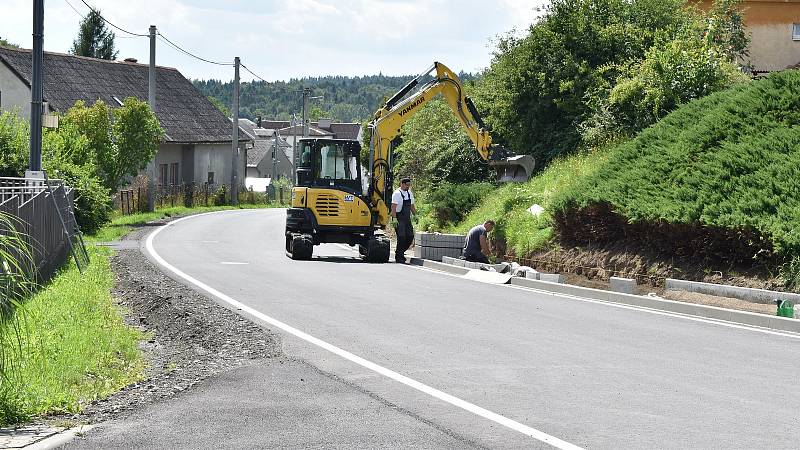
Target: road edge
x=775, y=323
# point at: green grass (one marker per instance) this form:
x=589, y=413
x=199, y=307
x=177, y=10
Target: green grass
x=508, y=205
x=121, y=225
x=73, y=345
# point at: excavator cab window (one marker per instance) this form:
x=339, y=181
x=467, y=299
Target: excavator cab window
x=330, y=163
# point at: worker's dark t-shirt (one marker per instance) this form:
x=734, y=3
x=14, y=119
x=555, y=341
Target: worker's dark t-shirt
x=472, y=245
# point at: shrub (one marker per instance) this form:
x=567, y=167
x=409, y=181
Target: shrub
x=716, y=178
x=14, y=141
x=92, y=199
x=450, y=202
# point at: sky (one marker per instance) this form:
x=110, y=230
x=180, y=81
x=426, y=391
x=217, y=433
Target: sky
x=283, y=39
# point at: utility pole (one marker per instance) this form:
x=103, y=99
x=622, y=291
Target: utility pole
x=235, y=158
x=36, y=86
x=306, y=94
x=275, y=157
x=151, y=100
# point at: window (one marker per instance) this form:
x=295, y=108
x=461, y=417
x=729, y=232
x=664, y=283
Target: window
x=162, y=174
x=210, y=177
x=174, y=177
x=796, y=32
x=336, y=162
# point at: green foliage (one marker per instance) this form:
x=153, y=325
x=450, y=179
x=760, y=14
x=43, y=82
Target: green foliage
x=136, y=134
x=726, y=165
x=94, y=39
x=435, y=149
x=220, y=106
x=671, y=74
x=448, y=203
x=535, y=89
x=92, y=199
x=74, y=346
x=122, y=147
x=346, y=99
x=14, y=144
x=508, y=205
x=5, y=43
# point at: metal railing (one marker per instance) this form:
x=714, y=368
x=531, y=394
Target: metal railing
x=35, y=216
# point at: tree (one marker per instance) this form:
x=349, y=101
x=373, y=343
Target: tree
x=14, y=141
x=534, y=91
x=94, y=39
x=220, y=106
x=121, y=147
x=136, y=133
x=5, y=43
x=435, y=149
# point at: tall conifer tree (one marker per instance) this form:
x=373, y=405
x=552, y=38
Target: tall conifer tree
x=94, y=40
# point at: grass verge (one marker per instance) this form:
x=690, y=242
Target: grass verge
x=69, y=345
x=121, y=225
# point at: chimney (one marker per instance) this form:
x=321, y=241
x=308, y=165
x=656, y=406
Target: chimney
x=325, y=123
x=131, y=60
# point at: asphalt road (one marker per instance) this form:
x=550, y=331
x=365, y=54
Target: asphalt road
x=587, y=373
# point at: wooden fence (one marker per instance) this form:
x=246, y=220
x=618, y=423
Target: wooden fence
x=132, y=201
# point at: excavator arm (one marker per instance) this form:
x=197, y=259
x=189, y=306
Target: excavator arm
x=387, y=122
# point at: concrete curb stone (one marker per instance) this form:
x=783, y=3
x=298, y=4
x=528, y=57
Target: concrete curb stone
x=691, y=309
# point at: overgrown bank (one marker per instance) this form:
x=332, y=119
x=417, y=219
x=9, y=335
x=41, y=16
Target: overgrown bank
x=710, y=192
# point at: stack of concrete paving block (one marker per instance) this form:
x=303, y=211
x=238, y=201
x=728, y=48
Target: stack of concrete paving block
x=435, y=246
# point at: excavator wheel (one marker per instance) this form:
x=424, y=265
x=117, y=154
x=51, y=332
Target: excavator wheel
x=301, y=246
x=378, y=250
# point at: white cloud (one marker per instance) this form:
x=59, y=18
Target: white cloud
x=282, y=39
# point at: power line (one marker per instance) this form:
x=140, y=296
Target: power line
x=253, y=74
x=164, y=38
x=106, y=21
x=75, y=9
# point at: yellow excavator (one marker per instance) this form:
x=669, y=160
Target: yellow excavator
x=329, y=203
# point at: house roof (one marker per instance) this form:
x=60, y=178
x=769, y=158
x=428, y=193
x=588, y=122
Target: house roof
x=185, y=114
x=338, y=130
x=262, y=148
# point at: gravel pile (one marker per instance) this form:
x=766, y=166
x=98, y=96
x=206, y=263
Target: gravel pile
x=190, y=338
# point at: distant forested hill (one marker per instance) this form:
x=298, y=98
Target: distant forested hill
x=346, y=99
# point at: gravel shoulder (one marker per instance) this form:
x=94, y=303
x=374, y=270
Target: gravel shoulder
x=189, y=337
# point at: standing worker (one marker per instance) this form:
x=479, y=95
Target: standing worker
x=476, y=246
x=402, y=207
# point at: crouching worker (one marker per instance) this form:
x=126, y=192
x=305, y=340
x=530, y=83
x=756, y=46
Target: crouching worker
x=476, y=245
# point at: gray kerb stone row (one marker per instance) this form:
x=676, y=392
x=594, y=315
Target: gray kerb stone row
x=749, y=294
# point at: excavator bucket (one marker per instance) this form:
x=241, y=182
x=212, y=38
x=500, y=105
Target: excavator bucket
x=514, y=169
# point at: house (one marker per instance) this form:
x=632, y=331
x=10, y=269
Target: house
x=774, y=27
x=197, y=145
x=264, y=133
x=324, y=128
x=262, y=159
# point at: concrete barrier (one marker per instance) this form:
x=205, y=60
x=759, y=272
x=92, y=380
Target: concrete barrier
x=624, y=285
x=749, y=294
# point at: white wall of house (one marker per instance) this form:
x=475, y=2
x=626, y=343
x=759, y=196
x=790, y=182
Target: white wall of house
x=216, y=158
x=772, y=46
x=14, y=93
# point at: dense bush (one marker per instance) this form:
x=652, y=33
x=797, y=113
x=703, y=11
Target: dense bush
x=14, y=144
x=435, y=149
x=719, y=177
x=543, y=89
x=448, y=203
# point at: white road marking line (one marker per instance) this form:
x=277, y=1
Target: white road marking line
x=629, y=307
x=210, y=242
x=233, y=263
x=455, y=401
